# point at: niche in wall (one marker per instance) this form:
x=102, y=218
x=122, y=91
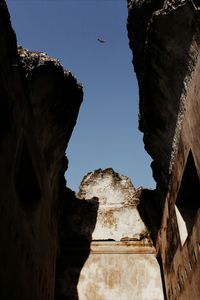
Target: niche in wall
x=188, y=200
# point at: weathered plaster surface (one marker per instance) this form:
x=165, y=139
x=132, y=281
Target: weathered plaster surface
x=117, y=216
x=120, y=261
x=120, y=277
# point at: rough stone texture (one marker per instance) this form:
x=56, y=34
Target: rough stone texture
x=39, y=106
x=107, y=252
x=118, y=217
x=180, y=251
x=167, y=62
x=164, y=37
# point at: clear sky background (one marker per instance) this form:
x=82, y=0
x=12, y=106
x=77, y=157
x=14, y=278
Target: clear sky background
x=106, y=134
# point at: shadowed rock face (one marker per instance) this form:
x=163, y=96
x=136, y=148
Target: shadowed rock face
x=39, y=107
x=164, y=37
x=76, y=224
x=166, y=56
x=55, y=98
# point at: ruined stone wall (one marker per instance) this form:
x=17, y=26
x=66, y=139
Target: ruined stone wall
x=164, y=38
x=107, y=252
x=179, y=236
x=166, y=60
x=39, y=106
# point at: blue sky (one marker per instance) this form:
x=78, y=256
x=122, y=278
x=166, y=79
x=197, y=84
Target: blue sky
x=106, y=134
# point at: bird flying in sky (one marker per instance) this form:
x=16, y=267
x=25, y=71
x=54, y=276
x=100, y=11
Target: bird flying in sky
x=101, y=40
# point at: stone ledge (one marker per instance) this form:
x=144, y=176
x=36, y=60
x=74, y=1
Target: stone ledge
x=112, y=247
x=126, y=247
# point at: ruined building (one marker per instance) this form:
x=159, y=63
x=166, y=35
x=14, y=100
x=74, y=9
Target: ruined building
x=107, y=251
x=165, y=39
x=111, y=240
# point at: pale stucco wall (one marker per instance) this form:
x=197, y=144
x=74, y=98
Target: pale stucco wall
x=108, y=275
x=117, y=216
x=121, y=262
